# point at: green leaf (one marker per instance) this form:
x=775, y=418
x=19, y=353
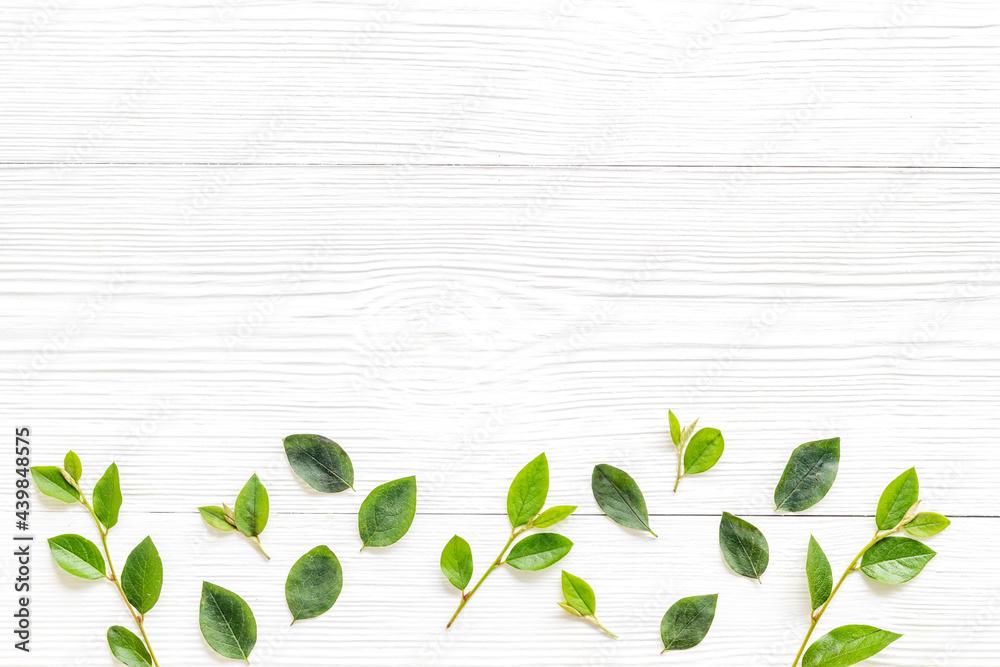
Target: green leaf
x=927, y=524
x=579, y=595
x=252, y=508
x=78, y=556
x=808, y=476
x=897, y=499
x=108, y=497
x=553, y=515
x=847, y=645
x=456, y=562
x=313, y=584
x=703, y=451
x=387, y=512
x=675, y=428
x=72, y=465
x=619, y=497
x=216, y=518
x=527, y=492
x=227, y=623
x=895, y=560
x=128, y=648
x=819, y=574
x=687, y=622
x=743, y=546
x=50, y=481
x=537, y=552
x=320, y=462
x=142, y=576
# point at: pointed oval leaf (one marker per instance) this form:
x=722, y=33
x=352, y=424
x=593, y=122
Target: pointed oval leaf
x=537, y=552
x=456, y=562
x=819, y=573
x=897, y=499
x=78, y=556
x=896, y=560
x=579, y=595
x=675, y=428
x=687, y=622
x=128, y=648
x=703, y=451
x=808, y=476
x=227, y=623
x=553, y=515
x=313, y=584
x=142, y=576
x=50, y=481
x=847, y=645
x=619, y=497
x=108, y=497
x=743, y=546
x=320, y=462
x=216, y=518
x=252, y=508
x=387, y=512
x=927, y=524
x=72, y=465
x=527, y=492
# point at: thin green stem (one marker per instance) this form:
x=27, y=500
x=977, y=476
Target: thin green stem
x=680, y=466
x=593, y=619
x=256, y=542
x=514, y=532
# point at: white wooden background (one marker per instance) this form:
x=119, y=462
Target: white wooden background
x=451, y=236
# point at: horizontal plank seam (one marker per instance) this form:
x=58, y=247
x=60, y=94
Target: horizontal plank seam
x=461, y=165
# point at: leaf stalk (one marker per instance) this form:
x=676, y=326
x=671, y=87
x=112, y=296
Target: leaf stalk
x=514, y=533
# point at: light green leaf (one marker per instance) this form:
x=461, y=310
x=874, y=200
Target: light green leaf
x=72, y=465
x=216, y=518
x=108, y=497
x=387, y=512
x=927, y=524
x=537, y=552
x=570, y=609
x=897, y=499
x=847, y=645
x=743, y=546
x=50, y=481
x=456, y=562
x=675, y=428
x=227, y=623
x=527, y=492
x=808, y=476
x=687, y=622
x=819, y=574
x=252, y=508
x=703, y=451
x=320, y=462
x=895, y=560
x=313, y=584
x=553, y=515
x=142, y=576
x=619, y=497
x=78, y=556
x=128, y=648
x=579, y=595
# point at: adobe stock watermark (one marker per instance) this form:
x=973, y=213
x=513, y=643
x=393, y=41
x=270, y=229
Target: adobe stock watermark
x=40, y=20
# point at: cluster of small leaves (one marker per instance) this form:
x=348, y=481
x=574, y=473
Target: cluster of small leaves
x=696, y=452
x=580, y=600
x=250, y=516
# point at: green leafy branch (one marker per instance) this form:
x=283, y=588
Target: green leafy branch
x=697, y=452
x=250, y=516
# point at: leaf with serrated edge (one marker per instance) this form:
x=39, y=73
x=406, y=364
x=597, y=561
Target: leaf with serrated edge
x=703, y=451
x=897, y=499
x=579, y=595
x=313, y=584
x=387, y=513
x=553, y=515
x=227, y=622
x=619, y=497
x=456, y=562
x=847, y=645
x=78, y=556
x=537, y=552
x=142, y=576
x=927, y=524
x=743, y=546
x=108, y=497
x=819, y=574
x=687, y=622
x=320, y=462
x=127, y=647
x=808, y=475
x=252, y=508
x=49, y=480
x=896, y=560
x=527, y=492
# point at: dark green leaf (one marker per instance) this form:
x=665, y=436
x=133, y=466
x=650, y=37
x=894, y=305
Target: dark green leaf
x=808, y=476
x=927, y=524
x=619, y=497
x=72, y=465
x=227, y=623
x=387, y=512
x=687, y=622
x=216, y=518
x=252, y=508
x=320, y=462
x=108, y=497
x=142, y=576
x=579, y=595
x=537, y=552
x=897, y=499
x=456, y=562
x=127, y=647
x=895, y=560
x=743, y=546
x=50, y=481
x=847, y=645
x=553, y=515
x=313, y=584
x=675, y=428
x=78, y=556
x=703, y=451
x=527, y=492
x=819, y=573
